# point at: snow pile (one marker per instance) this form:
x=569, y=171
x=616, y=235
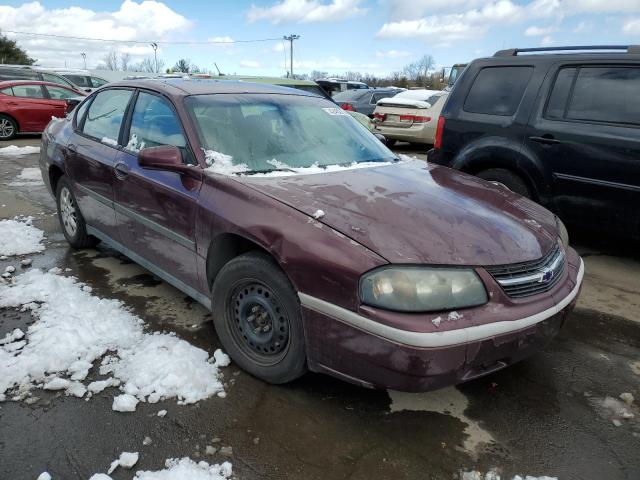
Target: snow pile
x=315, y=168
x=187, y=469
x=44, y=476
x=126, y=460
x=29, y=177
x=452, y=316
x=19, y=237
x=75, y=328
x=222, y=163
x=14, y=150
x=494, y=475
x=318, y=214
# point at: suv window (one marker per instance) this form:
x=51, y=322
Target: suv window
x=79, y=80
x=154, y=123
x=48, y=77
x=17, y=74
x=606, y=94
x=498, y=90
x=28, y=91
x=58, y=93
x=105, y=115
x=560, y=93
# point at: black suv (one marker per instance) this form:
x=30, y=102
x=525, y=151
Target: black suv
x=562, y=129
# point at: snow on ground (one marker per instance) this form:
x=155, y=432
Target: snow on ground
x=14, y=150
x=126, y=460
x=187, y=469
x=19, y=237
x=75, y=328
x=29, y=177
x=494, y=475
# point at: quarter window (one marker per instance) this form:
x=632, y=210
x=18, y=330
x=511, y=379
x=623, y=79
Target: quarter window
x=154, y=123
x=105, y=115
x=560, y=93
x=498, y=90
x=7, y=91
x=28, y=91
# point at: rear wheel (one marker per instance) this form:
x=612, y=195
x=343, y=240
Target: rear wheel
x=8, y=127
x=72, y=222
x=507, y=178
x=257, y=317
x=390, y=142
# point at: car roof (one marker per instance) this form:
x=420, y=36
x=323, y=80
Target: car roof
x=533, y=58
x=261, y=79
x=181, y=87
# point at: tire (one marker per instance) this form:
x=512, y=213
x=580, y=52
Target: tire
x=258, y=319
x=390, y=142
x=511, y=180
x=72, y=222
x=8, y=127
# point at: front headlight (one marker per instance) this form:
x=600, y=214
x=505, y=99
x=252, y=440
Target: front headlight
x=422, y=289
x=562, y=232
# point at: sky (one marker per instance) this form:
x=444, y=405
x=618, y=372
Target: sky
x=373, y=36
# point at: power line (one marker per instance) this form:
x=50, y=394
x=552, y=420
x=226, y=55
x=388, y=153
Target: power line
x=212, y=42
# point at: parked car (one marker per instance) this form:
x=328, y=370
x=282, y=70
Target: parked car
x=314, y=246
x=333, y=86
x=83, y=80
x=411, y=116
x=363, y=100
x=26, y=106
x=28, y=72
x=560, y=128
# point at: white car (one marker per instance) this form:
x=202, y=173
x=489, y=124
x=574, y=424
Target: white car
x=411, y=116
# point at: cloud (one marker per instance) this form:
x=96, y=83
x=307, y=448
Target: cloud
x=583, y=27
x=250, y=64
x=547, y=41
x=534, y=31
x=144, y=21
x=278, y=47
x=632, y=27
x=393, y=54
x=305, y=11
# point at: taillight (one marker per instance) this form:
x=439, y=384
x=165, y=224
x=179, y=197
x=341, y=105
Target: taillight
x=380, y=116
x=414, y=118
x=437, y=143
x=348, y=107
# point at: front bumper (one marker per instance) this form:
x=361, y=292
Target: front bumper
x=374, y=354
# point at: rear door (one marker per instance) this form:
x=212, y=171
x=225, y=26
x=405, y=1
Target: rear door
x=91, y=154
x=156, y=209
x=587, y=131
x=30, y=107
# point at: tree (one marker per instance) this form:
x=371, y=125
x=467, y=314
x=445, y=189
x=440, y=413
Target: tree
x=147, y=65
x=183, y=65
x=110, y=61
x=10, y=52
x=125, y=58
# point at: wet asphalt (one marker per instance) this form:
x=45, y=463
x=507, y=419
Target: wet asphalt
x=541, y=416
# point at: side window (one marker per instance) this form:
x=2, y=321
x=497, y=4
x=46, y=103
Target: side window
x=154, y=123
x=105, y=115
x=98, y=82
x=58, y=93
x=560, y=93
x=28, y=91
x=7, y=91
x=606, y=94
x=79, y=80
x=47, y=77
x=378, y=96
x=80, y=111
x=498, y=90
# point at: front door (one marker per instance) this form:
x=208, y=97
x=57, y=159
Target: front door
x=91, y=154
x=588, y=132
x=31, y=107
x=155, y=209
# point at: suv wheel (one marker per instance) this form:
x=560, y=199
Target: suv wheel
x=512, y=181
x=8, y=128
x=257, y=317
x=72, y=222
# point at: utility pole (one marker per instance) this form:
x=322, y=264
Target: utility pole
x=291, y=38
x=154, y=45
x=84, y=59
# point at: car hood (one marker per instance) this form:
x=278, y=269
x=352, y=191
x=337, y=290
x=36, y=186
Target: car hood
x=413, y=212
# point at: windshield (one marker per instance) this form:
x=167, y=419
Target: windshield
x=261, y=133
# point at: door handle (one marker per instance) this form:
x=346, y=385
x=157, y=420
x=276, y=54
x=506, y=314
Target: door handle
x=72, y=148
x=545, y=140
x=121, y=170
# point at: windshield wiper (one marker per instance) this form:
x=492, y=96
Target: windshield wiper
x=268, y=170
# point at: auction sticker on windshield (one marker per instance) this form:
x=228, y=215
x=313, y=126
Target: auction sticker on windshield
x=335, y=111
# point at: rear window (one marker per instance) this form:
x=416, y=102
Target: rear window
x=498, y=90
x=17, y=74
x=350, y=96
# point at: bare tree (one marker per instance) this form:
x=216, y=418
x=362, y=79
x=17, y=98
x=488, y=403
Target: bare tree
x=125, y=58
x=316, y=74
x=110, y=61
x=147, y=65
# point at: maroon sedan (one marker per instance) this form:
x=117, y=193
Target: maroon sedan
x=27, y=106
x=313, y=244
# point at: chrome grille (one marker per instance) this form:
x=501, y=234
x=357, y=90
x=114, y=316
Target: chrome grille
x=530, y=278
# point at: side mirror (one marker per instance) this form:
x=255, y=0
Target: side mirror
x=72, y=103
x=381, y=137
x=168, y=158
x=88, y=90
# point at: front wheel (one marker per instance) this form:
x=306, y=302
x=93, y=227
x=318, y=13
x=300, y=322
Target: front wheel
x=257, y=317
x=72, y=222
x=8, y=128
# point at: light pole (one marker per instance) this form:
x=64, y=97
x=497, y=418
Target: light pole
x=154, y=45
x=291, y=38
x=84, y=59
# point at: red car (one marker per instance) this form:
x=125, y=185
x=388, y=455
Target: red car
x=314, y=245
x=27, y=106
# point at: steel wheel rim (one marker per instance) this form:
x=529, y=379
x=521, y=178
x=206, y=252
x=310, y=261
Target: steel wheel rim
x=259, y=322
x=68, y=212
x=6, y=128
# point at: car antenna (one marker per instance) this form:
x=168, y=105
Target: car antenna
x=219, y=72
